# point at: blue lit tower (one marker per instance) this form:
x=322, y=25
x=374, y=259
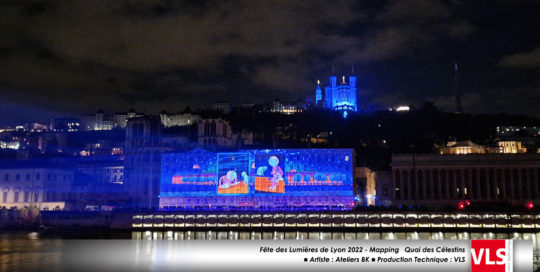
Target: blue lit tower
x=318, y=93
x=340, y=97
x=328, y=91
x=344, y=98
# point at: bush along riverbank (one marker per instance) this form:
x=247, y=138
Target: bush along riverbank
x=26, y=218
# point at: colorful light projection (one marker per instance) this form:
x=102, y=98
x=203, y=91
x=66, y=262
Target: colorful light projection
x=279, y=179
x=269, y=176
x=232, y=172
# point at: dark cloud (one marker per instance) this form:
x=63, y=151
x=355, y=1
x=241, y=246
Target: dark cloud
x=414, y=12
x=77, y=56
x=529, y=59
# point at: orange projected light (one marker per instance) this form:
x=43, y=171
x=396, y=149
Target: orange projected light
x=177, y=180
x=240, y=188
x=263, y=184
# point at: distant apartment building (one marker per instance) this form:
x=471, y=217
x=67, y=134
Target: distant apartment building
x=65, y=124
x=120, y=118
x=222, y=106
x=32, y=127
x=286, y=108
x=462, y=147
x=9, y=145
x=468, y=147
x=97, y=121
x=528, y=137
x=439, y=180
x=7, y=129
x=178, y=120
x=22, y=140
x=102, y=121
x=400, y=108
x=509, y=147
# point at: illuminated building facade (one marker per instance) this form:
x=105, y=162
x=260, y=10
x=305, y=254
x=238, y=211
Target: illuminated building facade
x=9, y=145
x=102, y=121
x=279, y=179
x=286, y=108
x=462, y=147
x=47, y=188
x=23, y=140
x=178, y=120
x=338, y=97
x=509, y=147
x=97, y=121
x=402, y=108
x=439, y=180
x=468, y=147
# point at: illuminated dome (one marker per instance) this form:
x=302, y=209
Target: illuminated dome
x=340, y=97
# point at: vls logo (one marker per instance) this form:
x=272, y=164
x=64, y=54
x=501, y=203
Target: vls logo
x=491, y=255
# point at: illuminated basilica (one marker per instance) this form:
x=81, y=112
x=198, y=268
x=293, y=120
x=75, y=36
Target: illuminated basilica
x=338, y=97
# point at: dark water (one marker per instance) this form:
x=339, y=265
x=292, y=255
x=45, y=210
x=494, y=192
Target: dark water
x=32, y=251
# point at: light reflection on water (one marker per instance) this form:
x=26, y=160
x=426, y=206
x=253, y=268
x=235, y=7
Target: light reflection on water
x=30, y=252
x=300, y=235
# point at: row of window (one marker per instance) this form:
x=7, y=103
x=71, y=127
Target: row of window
x=28, y=177
x=484, y=184
x=26, y=197
x=18, y=177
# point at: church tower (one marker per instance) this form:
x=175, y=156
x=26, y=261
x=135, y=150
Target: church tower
x=328, y=92
x=352, y=92
x=318, y=93
x=342, y=97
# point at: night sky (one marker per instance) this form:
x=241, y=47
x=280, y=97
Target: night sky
x=74, y=57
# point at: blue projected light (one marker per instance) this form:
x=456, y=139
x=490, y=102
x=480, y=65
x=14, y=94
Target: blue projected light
x=339, y=97
x=277, y=179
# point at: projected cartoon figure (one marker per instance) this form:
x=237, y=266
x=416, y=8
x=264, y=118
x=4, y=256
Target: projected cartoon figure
x=228, y=180
x=232, y=173
x=261, y=170
x=231, y=179
x=269, y=177
x=277, y=173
